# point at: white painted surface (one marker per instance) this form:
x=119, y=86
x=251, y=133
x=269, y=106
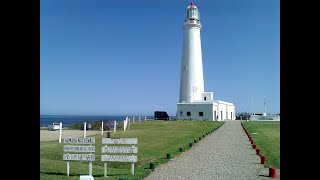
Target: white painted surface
x=68, y=168
x=101, y=127
x=118, y=158
x=86, y=177
x=191, y=77
x=195, y=109
x=115, y=126
x=72, y=140
x=84, y=130
x=207, y=96
x=207, y=107
x=60, y=132
x=132, y=168
x=90, y=168
x=120, y=141
x=119, y=149
x=124, y=125
x=105, y=169
x=78, y=157
x=68, y=148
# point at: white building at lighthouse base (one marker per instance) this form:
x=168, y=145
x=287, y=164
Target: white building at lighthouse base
x=206, y=109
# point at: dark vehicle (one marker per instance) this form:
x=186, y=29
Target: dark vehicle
x=161, y=115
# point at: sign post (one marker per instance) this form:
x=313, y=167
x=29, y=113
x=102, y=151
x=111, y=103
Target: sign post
x=60, y=132
x=79, y=157
x=119, y=149
x=85, y=129
x=101, y=127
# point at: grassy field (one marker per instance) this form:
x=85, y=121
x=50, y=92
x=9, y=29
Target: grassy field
x=267, y=139
x=155, y=140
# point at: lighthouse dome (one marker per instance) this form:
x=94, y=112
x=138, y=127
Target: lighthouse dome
x=192, y=12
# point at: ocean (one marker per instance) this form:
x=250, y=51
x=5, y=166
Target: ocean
x=66, y=120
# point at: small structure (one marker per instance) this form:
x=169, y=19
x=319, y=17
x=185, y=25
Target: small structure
x=264, y=117
x=54, y=126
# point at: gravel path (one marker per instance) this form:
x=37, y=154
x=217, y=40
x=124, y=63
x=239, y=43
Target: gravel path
x=224, y=154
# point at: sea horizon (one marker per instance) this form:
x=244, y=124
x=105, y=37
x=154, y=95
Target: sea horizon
x=66, y=120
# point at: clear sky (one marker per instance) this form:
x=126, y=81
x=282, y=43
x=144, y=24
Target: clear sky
x=122, y=57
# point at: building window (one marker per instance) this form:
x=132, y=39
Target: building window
x=188, y=113
x=200, y=113
x=205, y=98
x=181, y=113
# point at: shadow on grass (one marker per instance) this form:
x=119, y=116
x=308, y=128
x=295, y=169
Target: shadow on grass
x=94, y=175
x=57, y=173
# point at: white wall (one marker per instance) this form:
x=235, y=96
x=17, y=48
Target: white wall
x=228, y=111
x=207, y=95
x=208, y=109
x=194, y=109
x=191, y=77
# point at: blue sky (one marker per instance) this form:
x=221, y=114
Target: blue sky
x=116, y=57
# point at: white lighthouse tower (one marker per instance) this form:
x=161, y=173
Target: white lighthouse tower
x=194, y=103
x=191, y=79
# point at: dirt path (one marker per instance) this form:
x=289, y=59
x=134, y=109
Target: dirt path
x=46, y=135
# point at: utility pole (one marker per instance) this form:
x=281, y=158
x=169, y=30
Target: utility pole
x=252, y=105
x=265, y=107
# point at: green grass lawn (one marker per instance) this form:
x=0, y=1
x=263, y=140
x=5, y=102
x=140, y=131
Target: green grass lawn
x=155, y=140
x=267, y=139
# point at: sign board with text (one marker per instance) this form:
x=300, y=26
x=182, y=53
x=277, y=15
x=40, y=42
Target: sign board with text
x=79, y=149
x=118, y=158
x=68, y=148
x=120, y=141
x=79, y=157
x=72, y=140
x=119, y=149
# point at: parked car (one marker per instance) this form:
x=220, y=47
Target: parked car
x=161, y=115
x=54, y=126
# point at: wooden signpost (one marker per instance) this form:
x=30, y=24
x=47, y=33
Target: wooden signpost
x=119, y=149
x=80, y=149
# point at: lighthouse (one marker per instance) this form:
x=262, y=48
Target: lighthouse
x=191, y=78
x=194, y=103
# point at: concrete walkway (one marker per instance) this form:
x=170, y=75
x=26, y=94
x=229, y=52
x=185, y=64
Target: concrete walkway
x=224, y=154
